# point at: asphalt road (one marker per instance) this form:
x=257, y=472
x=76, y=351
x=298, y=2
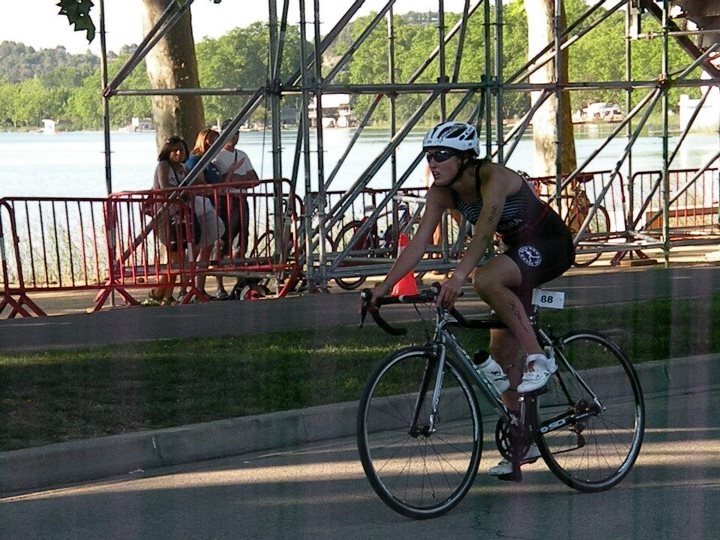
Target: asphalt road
x=318, y=491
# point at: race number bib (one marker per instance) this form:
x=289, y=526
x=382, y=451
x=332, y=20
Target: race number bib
x=548, y=299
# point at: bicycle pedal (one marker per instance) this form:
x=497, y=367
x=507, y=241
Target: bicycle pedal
x=537, y=392
x=515, y=476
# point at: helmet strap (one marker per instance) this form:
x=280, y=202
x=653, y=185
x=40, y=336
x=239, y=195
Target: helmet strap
x=464, y=165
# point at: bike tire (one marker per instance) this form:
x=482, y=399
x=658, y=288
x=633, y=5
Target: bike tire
x=342, y=240
x=599, y=228
x=590, y=448
x=263, y=252
x=264, y=246
x=418, y=474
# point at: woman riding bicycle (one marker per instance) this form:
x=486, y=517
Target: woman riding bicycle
x=538, y=248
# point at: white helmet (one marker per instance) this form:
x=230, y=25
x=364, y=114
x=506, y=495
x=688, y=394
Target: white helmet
x=455, y=135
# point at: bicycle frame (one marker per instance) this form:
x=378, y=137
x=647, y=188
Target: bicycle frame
x=444, y=340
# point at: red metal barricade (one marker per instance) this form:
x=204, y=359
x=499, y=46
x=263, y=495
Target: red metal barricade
x=692, y=202
x=50, y=244
x=119, y=244
x=262, y=243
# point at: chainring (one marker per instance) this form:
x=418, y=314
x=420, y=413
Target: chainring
x=507, y=439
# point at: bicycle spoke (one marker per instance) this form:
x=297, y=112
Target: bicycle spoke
x=587, y=447
x=420, y=470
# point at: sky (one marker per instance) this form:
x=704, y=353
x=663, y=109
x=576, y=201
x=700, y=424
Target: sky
x=36, y=22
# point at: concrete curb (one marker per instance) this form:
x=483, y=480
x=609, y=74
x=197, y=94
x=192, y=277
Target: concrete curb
x=93, y=459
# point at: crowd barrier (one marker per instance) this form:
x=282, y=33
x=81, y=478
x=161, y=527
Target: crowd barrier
x=49, y=244
x=118, y=246
x=609, y=215
x=266, y=252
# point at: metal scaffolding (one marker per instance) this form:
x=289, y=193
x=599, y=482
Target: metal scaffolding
x=624, y=211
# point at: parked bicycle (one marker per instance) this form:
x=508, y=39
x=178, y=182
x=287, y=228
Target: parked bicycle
x=419, y=423
x=576, y=206
x=372, y=243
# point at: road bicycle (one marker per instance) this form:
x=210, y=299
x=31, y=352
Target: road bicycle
x=576, y=207
x=419, y=423
x=372, y=243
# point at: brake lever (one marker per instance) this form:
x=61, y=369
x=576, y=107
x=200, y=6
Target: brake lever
x=365, y=297
x=365, y=306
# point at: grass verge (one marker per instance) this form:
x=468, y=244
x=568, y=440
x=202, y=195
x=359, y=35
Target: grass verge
x=65, y=395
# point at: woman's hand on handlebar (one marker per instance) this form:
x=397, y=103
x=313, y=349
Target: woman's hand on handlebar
x=450, y=291
x=380, y=290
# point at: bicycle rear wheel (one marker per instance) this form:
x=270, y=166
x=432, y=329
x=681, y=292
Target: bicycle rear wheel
x=417, y=470
x=359, y=248
x=592, y=417
x=598, y=230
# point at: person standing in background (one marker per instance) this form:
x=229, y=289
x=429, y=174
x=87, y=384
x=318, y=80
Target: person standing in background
x=234, y=166
x=169, y=173
x=212, y=227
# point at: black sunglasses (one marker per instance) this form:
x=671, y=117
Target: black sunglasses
x=439, y=155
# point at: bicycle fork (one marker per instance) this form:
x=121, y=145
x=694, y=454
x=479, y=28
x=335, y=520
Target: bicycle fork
x=433, y=374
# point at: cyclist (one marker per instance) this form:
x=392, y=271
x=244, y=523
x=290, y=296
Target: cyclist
x=538, y=248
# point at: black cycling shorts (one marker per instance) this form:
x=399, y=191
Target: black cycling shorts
x=542, y=255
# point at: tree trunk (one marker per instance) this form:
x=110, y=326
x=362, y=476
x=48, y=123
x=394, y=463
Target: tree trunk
x=546, y=130
x=172, y=64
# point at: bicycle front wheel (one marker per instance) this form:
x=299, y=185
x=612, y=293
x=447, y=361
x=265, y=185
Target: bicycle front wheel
x=421, y=466
x=592, y=417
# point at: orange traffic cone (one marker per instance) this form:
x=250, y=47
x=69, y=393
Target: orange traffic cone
x=406, y=285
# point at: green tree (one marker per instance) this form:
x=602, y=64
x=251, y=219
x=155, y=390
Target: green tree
x=123, y=110
x=84, y=107
x=6, y=93
x=170, y=64
x=29, y=103
x=239, y=59
x=600, y=56
x=370, y=63
x=236, y=60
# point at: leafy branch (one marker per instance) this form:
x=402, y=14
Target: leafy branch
x=78, y=14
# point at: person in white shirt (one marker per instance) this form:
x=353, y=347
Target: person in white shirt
x=235, y=167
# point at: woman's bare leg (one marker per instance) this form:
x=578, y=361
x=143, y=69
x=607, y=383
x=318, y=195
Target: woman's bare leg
x=203, y=257
x=492, y=282
x=505, y=349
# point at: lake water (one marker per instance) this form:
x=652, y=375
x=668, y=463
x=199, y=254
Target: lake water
x=73, y=164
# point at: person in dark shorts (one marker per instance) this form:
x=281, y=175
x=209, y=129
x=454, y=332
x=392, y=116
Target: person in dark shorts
x=538, y=248
x=235, y=167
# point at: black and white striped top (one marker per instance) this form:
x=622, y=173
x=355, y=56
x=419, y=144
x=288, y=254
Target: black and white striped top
x=522, y=211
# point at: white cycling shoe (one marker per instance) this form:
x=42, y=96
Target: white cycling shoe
x=543, y=368
x=505, y=467
x=495, y=374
